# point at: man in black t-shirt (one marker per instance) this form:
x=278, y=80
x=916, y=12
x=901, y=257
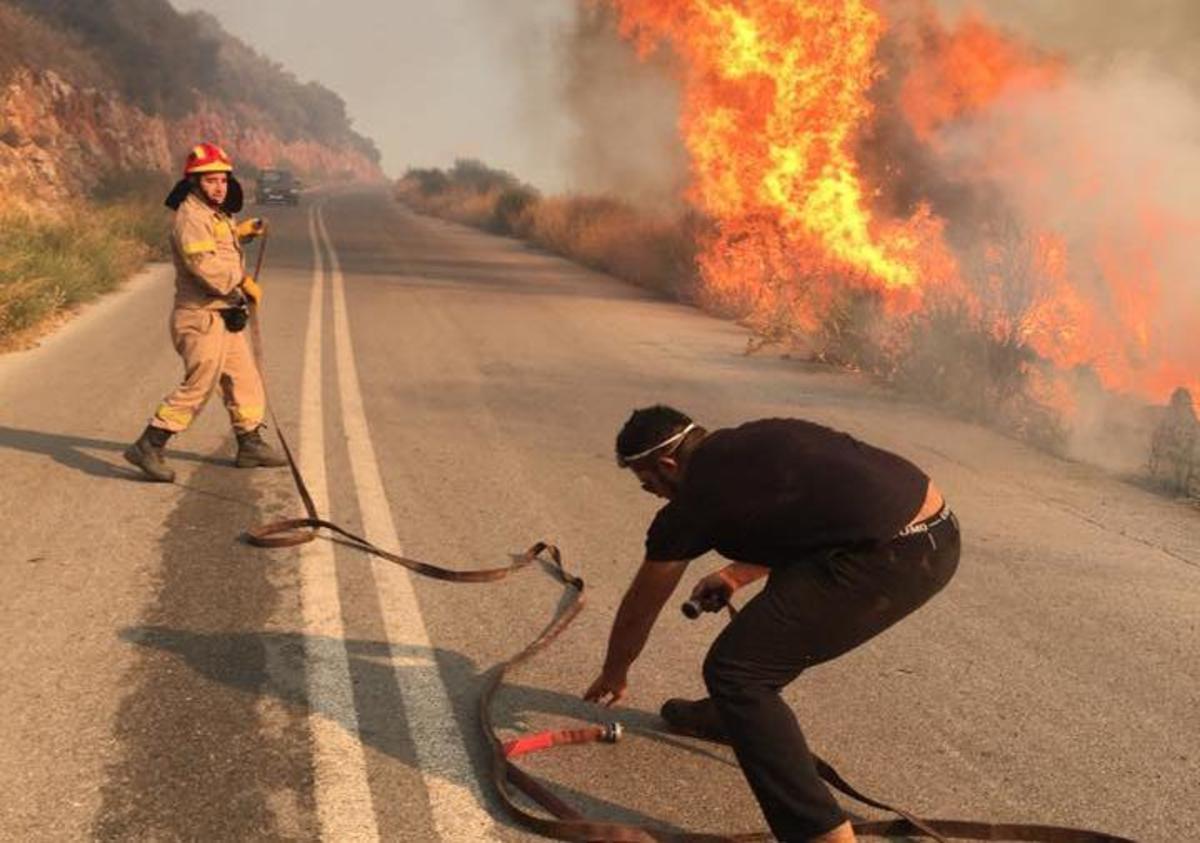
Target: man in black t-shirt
x=852, y=538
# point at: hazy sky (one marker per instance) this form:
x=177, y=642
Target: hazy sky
x=434, y=80
x=428, y=80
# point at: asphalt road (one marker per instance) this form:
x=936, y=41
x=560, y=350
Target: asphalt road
x=455, y=395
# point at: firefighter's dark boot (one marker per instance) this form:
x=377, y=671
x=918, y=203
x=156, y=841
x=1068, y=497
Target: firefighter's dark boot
x=698, y=719
x=254, y=452
x=147, y=454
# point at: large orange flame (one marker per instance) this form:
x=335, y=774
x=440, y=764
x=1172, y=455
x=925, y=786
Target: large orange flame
x=777, y=97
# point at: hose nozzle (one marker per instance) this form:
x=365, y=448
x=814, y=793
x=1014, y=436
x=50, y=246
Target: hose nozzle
x=693, y=608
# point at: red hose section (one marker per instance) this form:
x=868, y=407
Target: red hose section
x=544, y=740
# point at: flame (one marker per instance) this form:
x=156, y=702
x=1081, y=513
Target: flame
x=955, y=73
x=777, y=98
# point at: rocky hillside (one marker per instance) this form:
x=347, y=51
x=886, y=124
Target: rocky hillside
x=130, y=85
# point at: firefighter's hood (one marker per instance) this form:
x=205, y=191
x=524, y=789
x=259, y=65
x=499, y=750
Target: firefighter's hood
x=234, y=199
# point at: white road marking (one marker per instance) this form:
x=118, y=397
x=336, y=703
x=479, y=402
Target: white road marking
x=343, y=796
x=454, y=795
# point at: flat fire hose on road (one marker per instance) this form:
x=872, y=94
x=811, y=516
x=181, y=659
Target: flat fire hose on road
x=566, y=823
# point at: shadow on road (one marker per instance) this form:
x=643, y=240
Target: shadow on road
x=69, y=451
x=272, y=664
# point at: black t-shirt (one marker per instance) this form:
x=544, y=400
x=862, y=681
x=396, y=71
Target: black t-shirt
x=773, y=491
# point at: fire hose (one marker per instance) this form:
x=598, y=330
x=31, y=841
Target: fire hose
x=565, y=822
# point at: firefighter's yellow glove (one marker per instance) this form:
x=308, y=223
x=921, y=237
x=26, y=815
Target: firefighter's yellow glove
x=251, y=228
x=252, y=290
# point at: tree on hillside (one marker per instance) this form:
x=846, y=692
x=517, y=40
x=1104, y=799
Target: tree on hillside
x=162, y=60
x=131, y=36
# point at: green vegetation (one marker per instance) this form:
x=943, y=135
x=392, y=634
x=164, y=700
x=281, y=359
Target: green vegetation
x=50, y=265
x=130, y=36
x=191, y=56
x=28, y=42
x=133, y=202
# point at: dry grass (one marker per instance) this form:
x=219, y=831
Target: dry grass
x=945, y=353
x=653, y=252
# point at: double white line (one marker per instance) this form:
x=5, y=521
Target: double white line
x=343, y=795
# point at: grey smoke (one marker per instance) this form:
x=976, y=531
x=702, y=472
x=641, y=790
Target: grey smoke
x=1110, y=147
x=625, y=113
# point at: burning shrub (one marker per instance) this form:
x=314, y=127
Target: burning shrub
x=927, y=202
x=948, y=356
x=932, y=203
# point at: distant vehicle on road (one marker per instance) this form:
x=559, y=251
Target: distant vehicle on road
x=277, y=186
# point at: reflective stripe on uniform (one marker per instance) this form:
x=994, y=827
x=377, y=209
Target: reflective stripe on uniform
x=198, y=246
x=174, y=415
x=247, y=415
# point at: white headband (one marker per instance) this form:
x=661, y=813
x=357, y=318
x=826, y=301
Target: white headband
x=670, y=440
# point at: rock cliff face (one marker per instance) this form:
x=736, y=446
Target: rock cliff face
x=58, y=139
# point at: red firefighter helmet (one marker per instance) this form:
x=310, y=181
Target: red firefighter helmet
x=207, y=158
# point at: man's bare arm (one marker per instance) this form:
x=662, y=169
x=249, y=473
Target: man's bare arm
x=640, y=608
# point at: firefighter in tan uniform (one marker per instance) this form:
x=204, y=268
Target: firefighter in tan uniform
x=212, y=296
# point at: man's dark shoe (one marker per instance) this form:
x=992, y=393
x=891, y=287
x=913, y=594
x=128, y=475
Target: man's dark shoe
x=147, y=454
x=696, y=719
x=254, y=452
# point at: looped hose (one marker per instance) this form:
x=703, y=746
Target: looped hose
x=566, y=822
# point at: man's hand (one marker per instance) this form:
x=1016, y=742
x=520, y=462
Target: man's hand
x=252, y=290
x=251, y=228
x=608, y=689
x=713, y=591
x=640, y=606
